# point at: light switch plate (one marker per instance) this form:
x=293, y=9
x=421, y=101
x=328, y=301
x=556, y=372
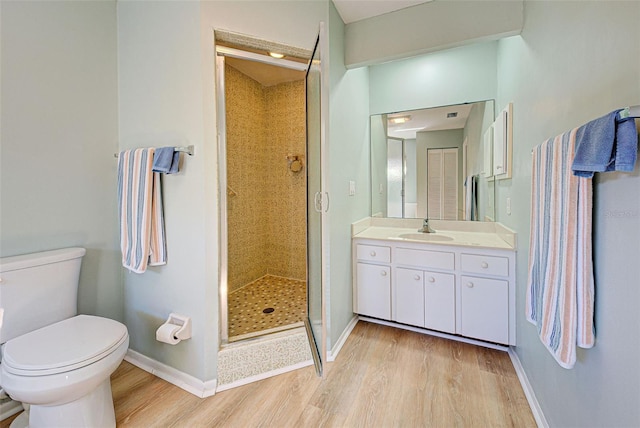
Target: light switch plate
x=352, y=188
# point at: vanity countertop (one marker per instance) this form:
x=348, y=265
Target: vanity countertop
x=497, y=237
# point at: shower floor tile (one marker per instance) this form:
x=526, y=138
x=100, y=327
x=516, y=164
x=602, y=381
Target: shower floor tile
x=287, y=297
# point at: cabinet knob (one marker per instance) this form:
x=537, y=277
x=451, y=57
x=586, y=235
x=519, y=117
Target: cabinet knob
x=383, y=273
x=417, y=277
x=484, y=265
x=432, y=279
x=470, y=284
x=372, y=254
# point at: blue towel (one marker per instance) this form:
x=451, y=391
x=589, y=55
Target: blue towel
x=166, y=160
x=606, y=144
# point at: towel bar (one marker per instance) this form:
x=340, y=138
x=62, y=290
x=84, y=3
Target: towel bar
x=184, y=149
x=632, y=111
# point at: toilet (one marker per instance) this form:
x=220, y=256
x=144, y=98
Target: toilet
x=57, y=362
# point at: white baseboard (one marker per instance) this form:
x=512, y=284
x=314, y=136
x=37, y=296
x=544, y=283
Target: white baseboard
x=180, y=379
x=9, y=408
x=333, y=353
x=262, y=376
x=528, y=390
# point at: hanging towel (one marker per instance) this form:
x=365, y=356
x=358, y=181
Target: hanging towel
x=609, y=143
x=560, y=286
x=166, y=160
x=471, y=197
x=142, y=238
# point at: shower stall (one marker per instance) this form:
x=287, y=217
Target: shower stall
x=266, y=233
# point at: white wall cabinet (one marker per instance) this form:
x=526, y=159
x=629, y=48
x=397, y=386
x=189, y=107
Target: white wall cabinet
x=459, y=290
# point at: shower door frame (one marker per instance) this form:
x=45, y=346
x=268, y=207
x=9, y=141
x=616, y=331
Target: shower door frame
x=221, y=119
x=221, y=116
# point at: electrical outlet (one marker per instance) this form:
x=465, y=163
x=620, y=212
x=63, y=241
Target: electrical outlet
x=508, y=206
x=352, y=188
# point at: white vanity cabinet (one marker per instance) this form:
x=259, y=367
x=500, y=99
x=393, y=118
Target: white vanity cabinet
x=484, y=297
x=424, y=299
x=484, y=309
x=373, y=275
x=465, y=291
x=421, y=295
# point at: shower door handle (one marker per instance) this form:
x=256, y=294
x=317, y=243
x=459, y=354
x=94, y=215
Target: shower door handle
x=319, y=202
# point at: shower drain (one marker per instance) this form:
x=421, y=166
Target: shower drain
x=268, y=310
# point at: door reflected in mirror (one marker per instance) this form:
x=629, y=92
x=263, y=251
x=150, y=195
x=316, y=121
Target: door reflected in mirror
x=432, y=163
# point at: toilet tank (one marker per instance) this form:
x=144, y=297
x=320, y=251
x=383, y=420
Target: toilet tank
x=38, y=289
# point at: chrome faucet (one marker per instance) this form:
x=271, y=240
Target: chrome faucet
x=425, y=227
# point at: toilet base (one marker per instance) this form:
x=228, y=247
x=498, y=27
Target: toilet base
x=92, y=410
x=22, y=421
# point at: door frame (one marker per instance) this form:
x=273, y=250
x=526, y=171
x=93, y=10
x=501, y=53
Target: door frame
x=224, y=190
x=221, y=116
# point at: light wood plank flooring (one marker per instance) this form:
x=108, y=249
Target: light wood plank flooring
x=383, y=377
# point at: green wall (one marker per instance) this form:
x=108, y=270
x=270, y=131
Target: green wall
x=577, y=61
x=348, y=161
x=59, y=134
x=453, y=76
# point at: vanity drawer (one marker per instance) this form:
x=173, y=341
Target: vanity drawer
x=373, y=253
x=488, y=265
x=425, y=258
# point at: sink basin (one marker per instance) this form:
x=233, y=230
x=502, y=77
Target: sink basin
x=429, y=237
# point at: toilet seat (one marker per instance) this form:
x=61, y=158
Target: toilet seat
x=64, y=346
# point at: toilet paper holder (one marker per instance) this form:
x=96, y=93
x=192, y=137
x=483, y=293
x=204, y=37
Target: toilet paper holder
x=183, y=322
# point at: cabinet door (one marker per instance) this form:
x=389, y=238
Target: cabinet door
x=408, y=297
x=485, y=309
x=440, y=301
x=374, y=291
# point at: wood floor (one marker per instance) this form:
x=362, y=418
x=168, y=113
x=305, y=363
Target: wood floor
x=383, y=377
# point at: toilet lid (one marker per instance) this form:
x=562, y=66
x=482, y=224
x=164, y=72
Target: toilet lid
x=63, y=346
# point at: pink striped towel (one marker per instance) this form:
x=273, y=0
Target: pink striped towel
x=560, y=287
x=142, y=238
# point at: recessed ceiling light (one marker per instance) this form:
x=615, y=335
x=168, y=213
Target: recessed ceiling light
x=399, y=119
x=276, y=55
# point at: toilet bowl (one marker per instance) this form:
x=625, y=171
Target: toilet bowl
x=63, y=370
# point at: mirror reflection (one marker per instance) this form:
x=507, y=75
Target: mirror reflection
x=433, y=163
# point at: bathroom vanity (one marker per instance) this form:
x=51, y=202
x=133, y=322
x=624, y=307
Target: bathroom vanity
x=458, y=281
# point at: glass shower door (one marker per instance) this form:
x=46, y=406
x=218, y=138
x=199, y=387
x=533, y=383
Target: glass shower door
x=317, y=204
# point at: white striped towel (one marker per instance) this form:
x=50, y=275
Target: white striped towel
x=142, y=238
x=560, y=287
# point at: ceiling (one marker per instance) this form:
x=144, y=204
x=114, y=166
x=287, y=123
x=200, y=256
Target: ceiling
x=349, y=10
x=265, y=74
x=356, y=10
x=432, y=119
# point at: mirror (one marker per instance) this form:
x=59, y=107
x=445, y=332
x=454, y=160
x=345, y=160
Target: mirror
x=432, y=163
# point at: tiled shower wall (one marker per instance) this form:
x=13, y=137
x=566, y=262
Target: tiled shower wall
x=267, y=217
